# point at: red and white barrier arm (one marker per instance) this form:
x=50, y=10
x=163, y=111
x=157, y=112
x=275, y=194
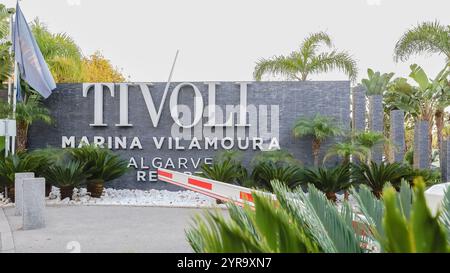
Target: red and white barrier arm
x=215, y=189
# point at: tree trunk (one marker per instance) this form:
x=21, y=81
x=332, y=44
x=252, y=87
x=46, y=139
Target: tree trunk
x=331, y=196
x=22, y=135
x=316, y=150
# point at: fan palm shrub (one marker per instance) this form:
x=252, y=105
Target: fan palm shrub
x=328, y=180
x=319, y=128
x=66, y=176
x=266, y=172
x=100, y=165
x=368, y=140
x=308, y=60
x=376, y=176
x=225, y=171
x=17, y=163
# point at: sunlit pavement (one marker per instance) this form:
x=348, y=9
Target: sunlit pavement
x=105, y=229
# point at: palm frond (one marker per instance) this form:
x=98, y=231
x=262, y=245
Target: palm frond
x=329, y=61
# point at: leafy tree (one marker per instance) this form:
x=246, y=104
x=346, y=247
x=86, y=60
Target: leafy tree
x=308, y=60
x=61, y=53
x=427, y=37
x=319, y=128
x=96, y=68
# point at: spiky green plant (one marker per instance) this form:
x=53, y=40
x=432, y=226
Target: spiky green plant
x=100, y=163
x=319, y=128
x=65, y=174
x=266, y=172
x=328, y=180
x=308, y=60
x=376, y=176
x=17, y=163
x=225, y=171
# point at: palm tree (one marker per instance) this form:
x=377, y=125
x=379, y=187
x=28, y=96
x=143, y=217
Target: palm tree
x=61, y=53
x=368, y=140
x=347, y=149
x=307, y=60
x=427, y=37
x=320, y=128
x=27, y=112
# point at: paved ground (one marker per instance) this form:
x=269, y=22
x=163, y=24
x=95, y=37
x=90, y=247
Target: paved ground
x=105, y=229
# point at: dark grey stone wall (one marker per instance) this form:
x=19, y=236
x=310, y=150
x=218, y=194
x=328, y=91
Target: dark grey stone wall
x=73, y=114
x=421, y=145
x=397, y=135
x=445, y=160
x=359, y=108
x=376, y=124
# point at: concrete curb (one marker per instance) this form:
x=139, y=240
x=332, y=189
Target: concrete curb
x=6, y=238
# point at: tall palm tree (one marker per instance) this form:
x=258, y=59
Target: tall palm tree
x=308, y=60
x=61, y=53
x=427, y=37
x=319, y=128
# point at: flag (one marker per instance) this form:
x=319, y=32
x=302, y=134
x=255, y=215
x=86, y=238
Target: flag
x=31, y=64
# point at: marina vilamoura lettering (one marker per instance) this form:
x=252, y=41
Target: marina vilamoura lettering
x=185, y=125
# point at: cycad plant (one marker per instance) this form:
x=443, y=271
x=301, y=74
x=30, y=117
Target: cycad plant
x=17, y=163
x=319, y=128
x=100, y=165
x=66, y=176
x=367, y=140
x=300, y=64
x=308, y=222
x=265, y=172
x=346, y=150
x=376, y=176
x=328, y=180
x=225, y=171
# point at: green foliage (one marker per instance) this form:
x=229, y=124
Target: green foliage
x=100, y=163
x=17, y=163
x=328, y=180
x=267, y=229
x=65, y=174
x=427, y=37
x=376, y=83
x=430, y=177
x=277, y=157
x=266, y=172
x=308, y=60
x=345, y=150
x=319, y=127
x=376, y=176
x=224, y=171
x=421, y=233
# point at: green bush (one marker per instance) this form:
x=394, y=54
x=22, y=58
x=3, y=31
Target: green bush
x=65, y=174
x=376, y=176
x=17, y=163
x=266, y=172
x=328, y=180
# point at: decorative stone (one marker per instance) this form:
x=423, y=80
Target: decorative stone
x=18, y=182
x=359, y=108
x=421, y=145
x=435, y=195
x=397, y=135
x=376, y=124
x=34, y=203
x=446, y=178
